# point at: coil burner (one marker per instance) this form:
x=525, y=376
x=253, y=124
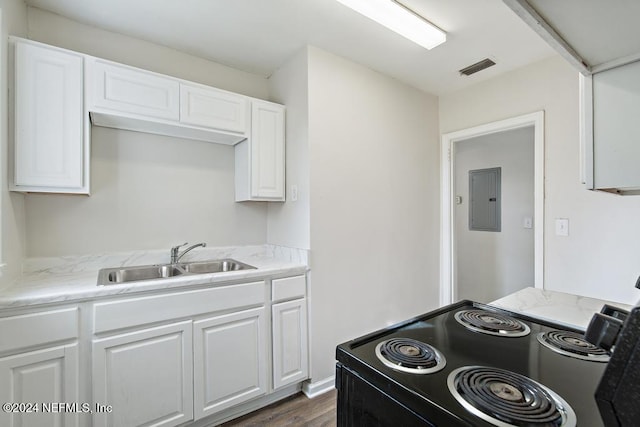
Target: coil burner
x=408, y=355
x=488, y=322
x=572, y=345
x=507, y=399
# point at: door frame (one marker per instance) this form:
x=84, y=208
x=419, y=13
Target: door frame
x=447, y=201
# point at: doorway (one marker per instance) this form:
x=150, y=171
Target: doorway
x=451, y=236
x=493, y=214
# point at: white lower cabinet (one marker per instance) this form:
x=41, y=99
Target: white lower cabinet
x=146, y=376
x=39, y=377
x=40, y=366
x=163, y=359
x=229, y=360
x=290, y=348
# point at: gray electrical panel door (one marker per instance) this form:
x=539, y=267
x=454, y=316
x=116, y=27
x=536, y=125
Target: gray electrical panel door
x=484, y=199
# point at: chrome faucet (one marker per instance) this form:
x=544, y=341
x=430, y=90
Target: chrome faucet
x=176, y=254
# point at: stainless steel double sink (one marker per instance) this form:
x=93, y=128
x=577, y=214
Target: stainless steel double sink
x=113, y=276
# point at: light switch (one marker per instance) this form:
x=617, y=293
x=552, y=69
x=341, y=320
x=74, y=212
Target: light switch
x=527, y=222
x=562, y=227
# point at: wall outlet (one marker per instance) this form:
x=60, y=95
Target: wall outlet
x=294, y=193
x=562, y=227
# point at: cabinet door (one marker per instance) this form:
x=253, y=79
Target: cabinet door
x=49, y=146
x=290, y=350
x=616, y=132
x=129, y=90
x=43, y=376
x=212, y=108
x=267, y=151
x=146, y=376
x=229, y=360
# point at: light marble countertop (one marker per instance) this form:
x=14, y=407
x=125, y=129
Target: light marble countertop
x=74, y=279
x=571, y=310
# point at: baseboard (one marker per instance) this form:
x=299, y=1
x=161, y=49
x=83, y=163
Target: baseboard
x=315, y=389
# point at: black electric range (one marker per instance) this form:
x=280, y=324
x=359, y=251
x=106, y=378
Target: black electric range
x=381, y=380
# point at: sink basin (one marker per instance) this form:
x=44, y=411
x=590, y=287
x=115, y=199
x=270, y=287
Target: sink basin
x=217, y=266
x=108, y=276
x=113, y=276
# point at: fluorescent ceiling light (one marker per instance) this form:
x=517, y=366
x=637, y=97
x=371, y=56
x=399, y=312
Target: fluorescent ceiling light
x=399, y=19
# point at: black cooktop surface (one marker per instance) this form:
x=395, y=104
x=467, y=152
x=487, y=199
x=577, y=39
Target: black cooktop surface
x=574, y=380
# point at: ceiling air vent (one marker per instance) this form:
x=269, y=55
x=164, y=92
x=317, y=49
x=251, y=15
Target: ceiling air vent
x=478, y=66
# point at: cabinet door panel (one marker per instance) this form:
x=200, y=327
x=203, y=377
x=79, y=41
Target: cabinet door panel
x=616, y=105
x=44, y=376
x=290, y=349
x=267, y=151
x=230, y=360
x=146, y=376
x=214, y=109
x=49, y=148
x=128, y=90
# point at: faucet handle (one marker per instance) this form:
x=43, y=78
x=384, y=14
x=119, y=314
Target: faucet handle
x=175, y=250
x=179, y=246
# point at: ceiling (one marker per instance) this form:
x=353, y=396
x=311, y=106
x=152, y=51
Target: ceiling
x=600, y=31
x=259, y=36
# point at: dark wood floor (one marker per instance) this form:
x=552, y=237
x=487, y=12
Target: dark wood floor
x=294, y=411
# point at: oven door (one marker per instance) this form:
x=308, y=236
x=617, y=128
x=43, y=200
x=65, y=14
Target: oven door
x=362, y=404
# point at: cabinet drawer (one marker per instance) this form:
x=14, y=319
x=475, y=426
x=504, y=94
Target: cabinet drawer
x=129, y=90
x=288, y=288
x=37, y=329
x=143, y=310
x=212, y=108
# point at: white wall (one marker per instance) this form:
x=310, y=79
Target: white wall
x=56, y=30
x=373, y=146
x=14, y=21
x=600, y=256
x=491, y=265
x=288, y=223
x=148, y=191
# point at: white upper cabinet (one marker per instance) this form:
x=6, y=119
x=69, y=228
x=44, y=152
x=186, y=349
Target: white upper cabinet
x=260, y=168
x=125, y=97
x=58, y=94
x=214, y=108
x=616, y=131
x=608, y=57
x=127, y=90
x=51, y=148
